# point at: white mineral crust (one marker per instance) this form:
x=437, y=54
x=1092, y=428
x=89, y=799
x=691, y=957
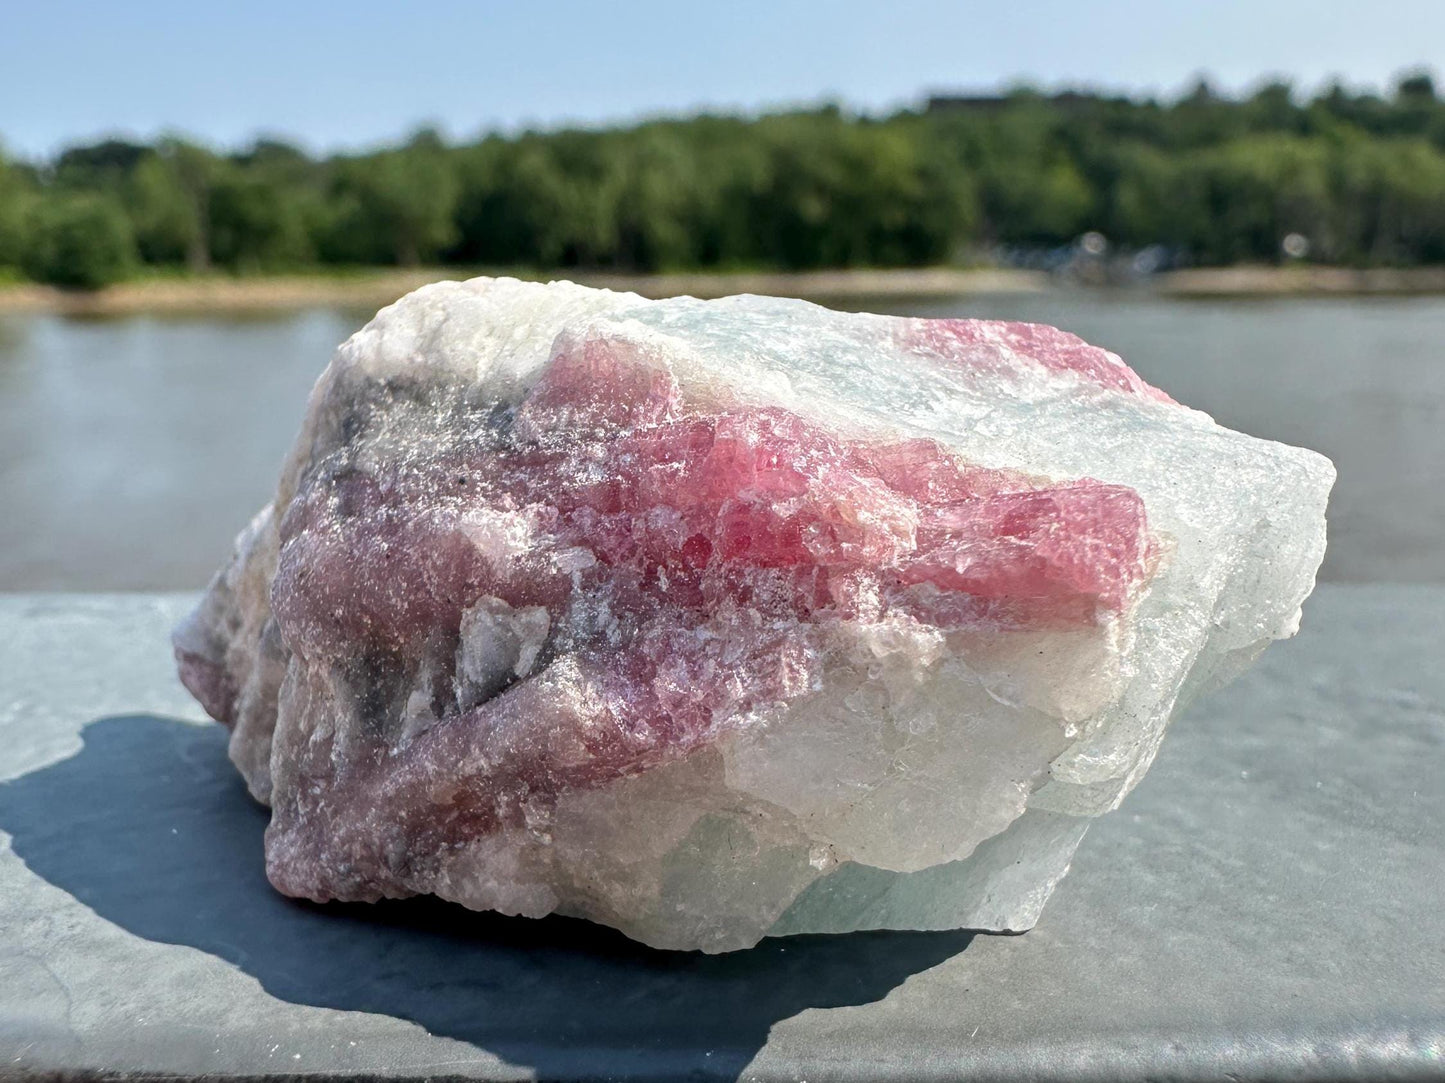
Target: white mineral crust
x=713, y=620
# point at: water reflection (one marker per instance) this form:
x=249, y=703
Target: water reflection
x=12, y=344
x=131, y=450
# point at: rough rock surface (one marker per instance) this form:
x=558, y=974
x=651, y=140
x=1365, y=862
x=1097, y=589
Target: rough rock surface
x=715, y=620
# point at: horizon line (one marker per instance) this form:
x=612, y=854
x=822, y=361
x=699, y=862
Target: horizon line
x=1140, y=94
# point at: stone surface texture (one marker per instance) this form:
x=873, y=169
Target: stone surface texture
x=715, y=620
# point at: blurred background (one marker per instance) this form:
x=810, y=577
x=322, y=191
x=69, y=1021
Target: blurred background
x=1246, y=201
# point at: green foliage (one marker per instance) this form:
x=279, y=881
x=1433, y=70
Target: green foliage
x=17, y=194
x=1254, y=191
x=1390, y=195
x=256, y=224
x=1362, y=176
x=79, y=241
x=837, y=193
x=396, y=206
x=169, y=220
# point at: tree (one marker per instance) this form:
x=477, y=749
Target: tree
x=655, y=196
x=1033, y=189
x=165, y=214
x=78, y=241
x=194, y=170
x=256, y=224
x=265, y=207
x=1391, y=200
x=1257, y=190
x=1272, y=108
x=1415, y=87
x=842, y=193
x=1216, y=178
x=164, y=191
x=544, y=201
x=17, y=193
x=97, y=166
x=1154, y=199
x=397, y=205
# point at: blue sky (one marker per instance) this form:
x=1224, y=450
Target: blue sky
x=333, y=75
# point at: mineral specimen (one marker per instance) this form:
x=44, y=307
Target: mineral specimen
x=716, y=620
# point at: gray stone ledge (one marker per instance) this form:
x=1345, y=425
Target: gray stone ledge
x=1268, y=903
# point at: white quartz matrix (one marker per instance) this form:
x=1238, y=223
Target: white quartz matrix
x=714, y=620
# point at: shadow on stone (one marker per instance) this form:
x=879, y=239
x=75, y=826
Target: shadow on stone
x=150, y=827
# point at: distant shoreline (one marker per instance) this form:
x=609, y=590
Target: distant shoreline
x=367, y=290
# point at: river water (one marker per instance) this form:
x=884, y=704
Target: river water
x=132, y=450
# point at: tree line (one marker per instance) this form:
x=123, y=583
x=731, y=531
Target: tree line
x=1213, y=179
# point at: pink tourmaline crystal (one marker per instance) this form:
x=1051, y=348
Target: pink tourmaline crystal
x=714, y=620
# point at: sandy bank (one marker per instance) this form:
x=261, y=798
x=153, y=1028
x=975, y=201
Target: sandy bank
x=1282, y=281
x=373, y=289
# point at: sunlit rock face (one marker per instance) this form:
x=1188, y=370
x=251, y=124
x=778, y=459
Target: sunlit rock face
x=715, y=620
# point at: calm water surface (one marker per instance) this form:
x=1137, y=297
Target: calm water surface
x=131, y=451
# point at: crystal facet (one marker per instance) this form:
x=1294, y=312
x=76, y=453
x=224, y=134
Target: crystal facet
x=715, y=620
